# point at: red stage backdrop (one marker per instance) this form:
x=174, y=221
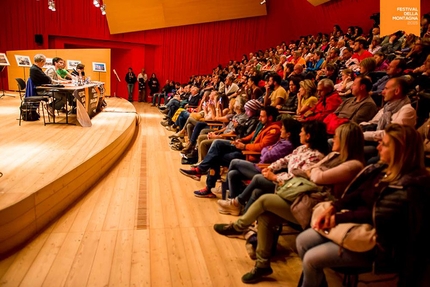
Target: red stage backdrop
x=174, y=53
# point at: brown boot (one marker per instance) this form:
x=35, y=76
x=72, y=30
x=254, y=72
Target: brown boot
x=188, y=148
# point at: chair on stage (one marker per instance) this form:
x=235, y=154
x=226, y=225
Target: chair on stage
x=30, y=102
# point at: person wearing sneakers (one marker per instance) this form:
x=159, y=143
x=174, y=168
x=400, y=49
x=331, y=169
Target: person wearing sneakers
x=240, y=170
x=222, y=152
x=334, y=172
x=313, y=138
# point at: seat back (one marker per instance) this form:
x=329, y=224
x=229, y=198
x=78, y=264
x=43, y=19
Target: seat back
x=21, y=86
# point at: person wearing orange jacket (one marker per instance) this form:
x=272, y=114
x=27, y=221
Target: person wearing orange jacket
x=222, y=152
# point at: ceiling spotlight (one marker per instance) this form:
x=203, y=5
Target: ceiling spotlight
x=96, y=3
x=103, y=9
x=51, y=5
x=263, y=2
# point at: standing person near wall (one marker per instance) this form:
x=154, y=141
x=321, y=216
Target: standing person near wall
x=154, y=84
x=130, y=79
x=142, y=78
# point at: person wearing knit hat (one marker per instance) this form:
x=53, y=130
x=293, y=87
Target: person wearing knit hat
x=222, y=152
x=253, y=105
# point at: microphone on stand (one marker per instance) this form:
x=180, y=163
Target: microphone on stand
x=117, y=77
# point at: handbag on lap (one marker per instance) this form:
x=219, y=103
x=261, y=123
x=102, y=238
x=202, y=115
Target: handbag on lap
x=295, y=186
x=357, y=237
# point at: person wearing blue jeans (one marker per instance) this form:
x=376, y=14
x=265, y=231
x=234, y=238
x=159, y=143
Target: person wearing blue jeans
x=387, y=195
x=314, y=140
x=182, y=119
x=318, y=252
x=194, y=136
x=240, y=170
x=222, y=152
x=159, y=96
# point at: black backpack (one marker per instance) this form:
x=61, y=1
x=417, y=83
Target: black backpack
x=30, y=114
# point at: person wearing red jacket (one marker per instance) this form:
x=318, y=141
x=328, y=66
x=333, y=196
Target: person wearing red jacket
x=329, y=101
x=222, y=152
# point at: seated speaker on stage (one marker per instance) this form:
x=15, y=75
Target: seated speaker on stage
x=53, y=73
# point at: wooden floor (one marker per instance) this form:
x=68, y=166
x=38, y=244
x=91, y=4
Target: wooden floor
x=140, y=225
x=46, y=168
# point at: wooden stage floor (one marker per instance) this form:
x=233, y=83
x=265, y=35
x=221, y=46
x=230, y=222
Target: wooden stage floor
x=139, y=225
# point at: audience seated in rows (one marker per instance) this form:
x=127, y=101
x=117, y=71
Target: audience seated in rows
x=328, y=102
x=334, y=171
x=357, y=109
x=222, y=152
x=313, y=138
x=241, y=124
x=306, y=78
x=397, y=109
x=389, y=195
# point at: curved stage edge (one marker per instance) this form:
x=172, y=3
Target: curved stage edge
x=32, y=211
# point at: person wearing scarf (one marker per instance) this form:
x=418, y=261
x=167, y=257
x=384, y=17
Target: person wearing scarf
x=397, y=109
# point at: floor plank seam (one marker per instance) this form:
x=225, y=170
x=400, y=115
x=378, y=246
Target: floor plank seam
x=142, y=210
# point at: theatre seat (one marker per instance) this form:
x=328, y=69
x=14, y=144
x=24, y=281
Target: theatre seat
x=29, y=105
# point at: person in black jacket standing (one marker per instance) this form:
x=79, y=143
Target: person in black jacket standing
x=131, y=79
x=154, y=85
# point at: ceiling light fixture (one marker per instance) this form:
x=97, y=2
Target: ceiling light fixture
x=51, y=5
x=103, y=9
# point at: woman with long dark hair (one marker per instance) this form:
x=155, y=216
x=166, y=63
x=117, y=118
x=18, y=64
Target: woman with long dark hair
x=313, y=138
x=154, y=84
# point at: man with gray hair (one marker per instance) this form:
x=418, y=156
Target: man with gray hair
x=37, y=76
x=329, y=101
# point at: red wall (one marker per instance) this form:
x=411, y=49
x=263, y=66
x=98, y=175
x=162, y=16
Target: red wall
x=173, y=53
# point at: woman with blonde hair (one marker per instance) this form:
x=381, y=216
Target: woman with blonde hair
x=334, y=171
x=306, y=97
x=367, y=65
x=389, y=195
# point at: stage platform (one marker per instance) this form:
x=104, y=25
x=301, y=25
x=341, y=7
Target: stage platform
x=47, y=168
